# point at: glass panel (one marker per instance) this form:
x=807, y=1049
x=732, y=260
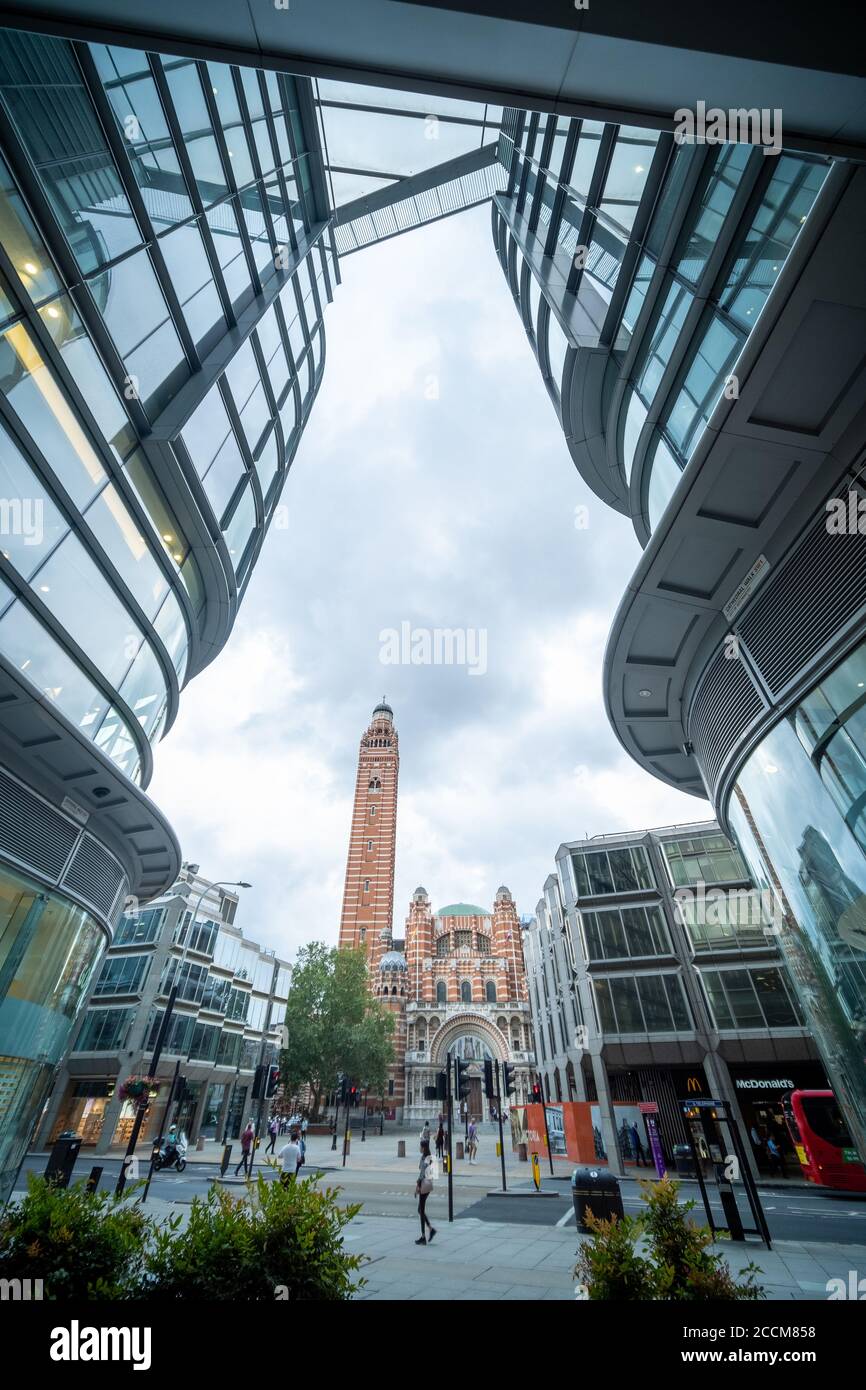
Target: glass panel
x=599, y=873
x=30, y=524
x=22, y=242
x=714, y=357
x=82, y=600
x=638, y=292
x=223, y=225
x=606, y=1017
x=141, y=121
x=206, y=430
x=37, y=654
x=664, y=476
x=136, y=316
x=124, y=544
x=677, y=1000
x=784, y=208
x=268, y=462
x=89, y=375
x=664, y=336
x=241, y=527
x=715, y=205
x=34, y=394
x=39, y=75
x=626, y=1004
x=653, y=997
x=557, y=348
x=144, y=690
x=718, y=1001
x=199, y=142
x=627, y=174
x=624, y=877
x=191, y=277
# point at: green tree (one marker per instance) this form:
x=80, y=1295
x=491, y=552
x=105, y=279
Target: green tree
x=334, y=1024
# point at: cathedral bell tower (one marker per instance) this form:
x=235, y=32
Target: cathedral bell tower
x=368, y=897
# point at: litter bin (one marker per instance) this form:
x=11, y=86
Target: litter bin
x=597, y=1191
x=684, y=1162
x=63, y=1156
x=522, y=1153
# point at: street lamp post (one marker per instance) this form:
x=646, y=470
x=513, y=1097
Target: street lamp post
x=163, y=1034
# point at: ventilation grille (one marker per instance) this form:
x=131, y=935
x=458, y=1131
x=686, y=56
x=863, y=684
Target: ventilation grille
x=723, y=708
x=94, y=875
x=799, y=610
x=31, y=832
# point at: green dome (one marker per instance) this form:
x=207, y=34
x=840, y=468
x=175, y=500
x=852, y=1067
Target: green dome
x=463, y=910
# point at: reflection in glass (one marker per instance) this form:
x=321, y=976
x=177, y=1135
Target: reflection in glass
x=797, y=843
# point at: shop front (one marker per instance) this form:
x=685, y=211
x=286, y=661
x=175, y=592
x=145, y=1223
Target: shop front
x=760, y=1091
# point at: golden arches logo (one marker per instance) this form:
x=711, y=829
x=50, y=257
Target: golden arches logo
x=693, y=1084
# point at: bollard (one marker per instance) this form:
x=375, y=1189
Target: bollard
x=459, y=1153
x=227, y=1153
x=521, y=1153
x=401, y=1148
x=199, y=1144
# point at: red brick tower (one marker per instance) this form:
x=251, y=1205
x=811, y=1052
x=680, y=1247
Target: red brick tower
x=368, y=897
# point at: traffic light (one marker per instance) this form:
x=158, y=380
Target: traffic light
x=259, y=1083
x=489, y=1083
x=441, y=1086
x=343, y=1088
x=353, y=1097
x=537, y=1097
x=463, y=1083
x=272, y=1082
x=508, y=1080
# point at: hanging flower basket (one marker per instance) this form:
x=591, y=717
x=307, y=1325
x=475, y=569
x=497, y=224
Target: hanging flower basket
x=138, y=1089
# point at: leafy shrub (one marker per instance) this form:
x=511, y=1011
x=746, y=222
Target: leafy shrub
x=82, y=1245
x=677, y=1265
x=284, y=1242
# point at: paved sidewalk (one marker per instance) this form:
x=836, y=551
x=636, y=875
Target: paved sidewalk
x=474, y=1259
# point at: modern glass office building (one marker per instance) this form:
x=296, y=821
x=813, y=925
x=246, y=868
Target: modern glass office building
x=166, y=256
x=698, y=314
x=655, y=974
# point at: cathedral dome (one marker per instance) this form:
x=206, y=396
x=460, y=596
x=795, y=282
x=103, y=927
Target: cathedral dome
x=393, y=960
x=383, y=708
x=462, y=910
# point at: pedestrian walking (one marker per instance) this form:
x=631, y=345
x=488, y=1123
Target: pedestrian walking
x=638, y=1148
x=246, y=1149
x=304, y=1124
x=423, y=1188
x=424, y=1136
x=273, y=1128
x=440, y=1140
x=774, y=1157
x=472, y=1140
x=291, y=1158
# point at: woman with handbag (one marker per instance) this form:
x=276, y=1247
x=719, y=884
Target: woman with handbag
x=423, y=1188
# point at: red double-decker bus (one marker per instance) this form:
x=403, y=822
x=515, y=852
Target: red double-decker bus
x=822, y=1142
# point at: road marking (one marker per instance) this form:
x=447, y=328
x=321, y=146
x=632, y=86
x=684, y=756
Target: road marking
x=563, y=1220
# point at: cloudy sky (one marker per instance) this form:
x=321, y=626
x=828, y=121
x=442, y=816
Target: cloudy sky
x=433, y=486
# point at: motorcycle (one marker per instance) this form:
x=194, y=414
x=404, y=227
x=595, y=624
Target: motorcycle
x=171, y=1156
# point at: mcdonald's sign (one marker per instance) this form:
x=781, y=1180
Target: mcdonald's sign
x=694, y=1085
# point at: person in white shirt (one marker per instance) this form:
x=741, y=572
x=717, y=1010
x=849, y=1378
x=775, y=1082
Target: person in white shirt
x=290, y=1158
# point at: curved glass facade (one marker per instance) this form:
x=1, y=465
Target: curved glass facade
x=797, y=812
x=49, y=948
x=175, y=197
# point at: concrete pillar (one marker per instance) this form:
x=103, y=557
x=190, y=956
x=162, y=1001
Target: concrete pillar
x=195, y=1125
x=607, y=1117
